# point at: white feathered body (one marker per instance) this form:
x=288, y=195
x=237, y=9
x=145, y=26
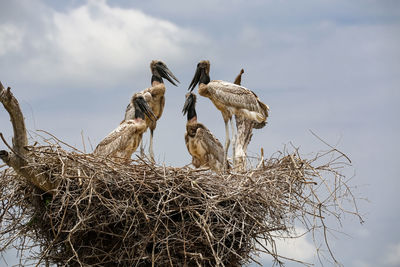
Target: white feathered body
x=123, y=141
x=232, y=99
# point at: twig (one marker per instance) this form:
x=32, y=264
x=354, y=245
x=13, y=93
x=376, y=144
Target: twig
x=9, y=147
x=344, y=155
x=141, y=213
x=58, y=140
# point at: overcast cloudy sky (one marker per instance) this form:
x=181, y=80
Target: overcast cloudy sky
x=329, y=66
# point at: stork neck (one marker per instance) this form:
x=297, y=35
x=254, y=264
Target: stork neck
x=204, y=77
x=191, y=115
x=193, y=120
x=156, y=79
x=138, y=113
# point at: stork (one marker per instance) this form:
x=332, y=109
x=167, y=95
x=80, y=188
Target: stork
x=124, y=140
x=205, y=148
x=154, y=96
x=238, y=79
x=230, y=99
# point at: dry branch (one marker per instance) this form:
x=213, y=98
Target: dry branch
x=101, y=213
x=106, y=214
x=18, y=158
x=11, y=104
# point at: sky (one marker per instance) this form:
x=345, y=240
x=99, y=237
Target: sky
x=332, y=67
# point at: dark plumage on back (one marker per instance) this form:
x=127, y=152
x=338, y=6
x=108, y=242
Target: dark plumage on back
x=205, y=148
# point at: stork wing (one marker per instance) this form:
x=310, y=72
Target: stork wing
x=157, y=90
x=117, y=139
x=187, y=141
x=210, y=143
x=237, y=96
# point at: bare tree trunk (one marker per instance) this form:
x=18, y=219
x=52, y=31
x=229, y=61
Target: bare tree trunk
x=18, y=157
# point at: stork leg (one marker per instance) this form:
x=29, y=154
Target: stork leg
x=227, y=142
x=151, y=146
x=233, y=134
x=141, y=149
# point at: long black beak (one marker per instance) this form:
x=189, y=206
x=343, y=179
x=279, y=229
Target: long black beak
x=196, y=79
x=145, y=108
x=167, y=74
x=190, y=100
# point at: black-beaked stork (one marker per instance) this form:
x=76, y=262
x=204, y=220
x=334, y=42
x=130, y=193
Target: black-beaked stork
x=121, y=143
x=205, y=148
x=154, y=96
x=230, y=99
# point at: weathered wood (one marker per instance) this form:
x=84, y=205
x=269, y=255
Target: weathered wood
x=11, y=104
x=18, y=158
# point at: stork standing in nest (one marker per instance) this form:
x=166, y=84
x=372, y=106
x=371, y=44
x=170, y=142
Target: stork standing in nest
x=205, y=148
x=124, y=140
x=230, y=99
x=154, y=96
x=243, y=136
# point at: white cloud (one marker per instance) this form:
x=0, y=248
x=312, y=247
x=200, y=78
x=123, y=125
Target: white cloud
x=298, y=248
x=392, y=257
x=295, y=248
x=96, y=45
x=10, y=38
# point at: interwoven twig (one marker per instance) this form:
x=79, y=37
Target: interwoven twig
x=104, y=213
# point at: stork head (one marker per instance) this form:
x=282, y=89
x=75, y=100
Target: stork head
x=238, y=79
x=159, y=69
x=142, y=108
x=189, y=106
x=202, y=74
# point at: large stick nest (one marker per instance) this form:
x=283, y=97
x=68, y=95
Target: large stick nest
x=104, y=213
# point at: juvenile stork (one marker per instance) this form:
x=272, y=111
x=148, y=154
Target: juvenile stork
x=124, y=140
x=238, y=79
x=205, y=148
x=154, y=96
x=230, y=99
